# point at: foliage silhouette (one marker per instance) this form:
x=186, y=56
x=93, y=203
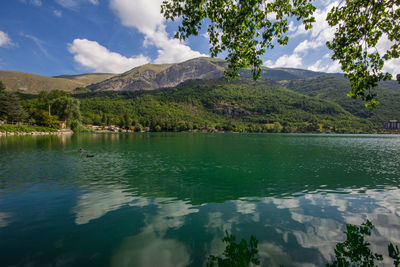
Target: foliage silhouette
x=355, y=250
x=240, y=254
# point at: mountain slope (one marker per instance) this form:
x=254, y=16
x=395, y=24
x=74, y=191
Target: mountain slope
x=216, y=104
x=33, y=84
x=335, y=89
x=151, y=77
x=88, y=78
x=146, y=77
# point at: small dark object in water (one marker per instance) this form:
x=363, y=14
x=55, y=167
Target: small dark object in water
x=80, y=150
x=89, y=155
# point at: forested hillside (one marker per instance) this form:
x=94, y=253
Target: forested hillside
x=219, y=105
x=194, y=95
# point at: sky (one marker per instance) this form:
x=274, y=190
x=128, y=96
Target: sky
x=55, y=37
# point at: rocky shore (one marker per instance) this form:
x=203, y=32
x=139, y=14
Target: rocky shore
x=63, y=132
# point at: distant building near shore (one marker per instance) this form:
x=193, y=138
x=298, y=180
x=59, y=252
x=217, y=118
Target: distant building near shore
x=391, y=125
x=63, y=124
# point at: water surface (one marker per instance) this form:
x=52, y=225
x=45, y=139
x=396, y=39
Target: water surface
x=167, y=199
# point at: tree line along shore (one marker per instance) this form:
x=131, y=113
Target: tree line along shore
x=195, y=106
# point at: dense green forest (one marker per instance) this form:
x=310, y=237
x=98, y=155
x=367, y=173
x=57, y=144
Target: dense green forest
x=317, y=104
x=217, y=105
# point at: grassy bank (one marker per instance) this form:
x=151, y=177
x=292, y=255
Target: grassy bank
x=25, y=128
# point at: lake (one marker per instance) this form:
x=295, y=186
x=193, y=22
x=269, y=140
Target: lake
x=168, y=199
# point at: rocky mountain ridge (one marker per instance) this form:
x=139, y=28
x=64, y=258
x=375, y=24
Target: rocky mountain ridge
x=146, y=77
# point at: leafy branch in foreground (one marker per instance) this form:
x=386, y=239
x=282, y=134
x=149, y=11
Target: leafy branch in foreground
x=244, y=28
x=360, y=25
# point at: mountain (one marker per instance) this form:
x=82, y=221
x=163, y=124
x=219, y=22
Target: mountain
x=88, y=78
x=146, y=77
x=151, y=76
x=195, y=92
x=33, y=84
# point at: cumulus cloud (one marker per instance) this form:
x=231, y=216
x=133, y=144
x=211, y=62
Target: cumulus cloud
x=320, y=33
x=288, y=61
x=94, y=205
x=391, y=66
x=317, y=37
x=306, y=45
x=5, y=40
x=145, y=16
x=98, y=58
x=325, y=64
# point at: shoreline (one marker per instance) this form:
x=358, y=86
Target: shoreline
x=69, y=132
x=35, y=133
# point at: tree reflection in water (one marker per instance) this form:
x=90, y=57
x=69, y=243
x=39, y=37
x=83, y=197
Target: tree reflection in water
x=236, y=254
x=354, y=251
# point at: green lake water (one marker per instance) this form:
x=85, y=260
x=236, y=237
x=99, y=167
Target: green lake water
x=167, y=199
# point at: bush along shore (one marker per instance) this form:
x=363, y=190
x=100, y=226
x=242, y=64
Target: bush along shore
x=10, y=130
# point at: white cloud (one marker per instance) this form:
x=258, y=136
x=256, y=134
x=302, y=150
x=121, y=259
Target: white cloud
x=139, y=250
x=73, y=4
x=94, y=205
x=320, y=33
x=98, y=58
x=32, y=2
x=57, y=13
x=171, y=50
x=306, y=45
x=288, y=61
x=325, y=64
x=5, y=40
x=5, y=219
x=391, y=66
x=145, y=16
x=36, y=2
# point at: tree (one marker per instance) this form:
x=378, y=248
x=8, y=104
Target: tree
x=361, y=24
x=246, y=28
x=2, y=87
x=3, y=102
x=67, y=108
x=42, y=118
x=14, y=110
x=46, y=99
x=10, y=106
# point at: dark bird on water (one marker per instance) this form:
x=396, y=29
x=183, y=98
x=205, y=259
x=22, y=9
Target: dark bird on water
x=89, y=155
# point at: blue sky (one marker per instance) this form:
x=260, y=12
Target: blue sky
x=54, y=37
